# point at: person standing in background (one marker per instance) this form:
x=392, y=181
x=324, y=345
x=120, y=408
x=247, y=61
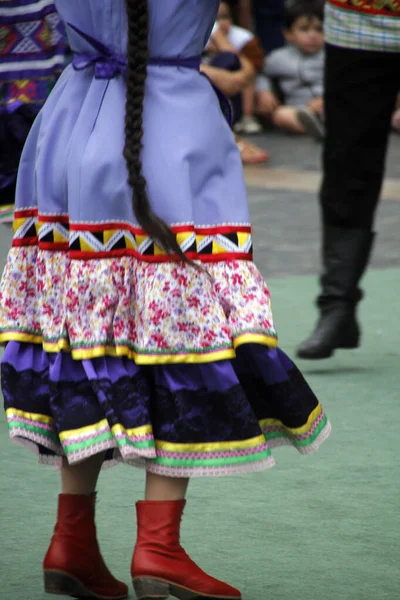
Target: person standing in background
x=268, y=17
x=32, y=46
x=362, y=80
x=269, y=22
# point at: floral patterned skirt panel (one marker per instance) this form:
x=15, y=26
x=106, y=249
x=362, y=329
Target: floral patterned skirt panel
x=156, y=364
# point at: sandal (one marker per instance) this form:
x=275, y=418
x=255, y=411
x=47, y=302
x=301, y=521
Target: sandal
x=250, y=154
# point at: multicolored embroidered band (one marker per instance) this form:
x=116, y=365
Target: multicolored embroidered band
x=106, y=240
x=32, y=46
x=390, y=8
x=138, y=446
x=303, y=438
x=6, y=213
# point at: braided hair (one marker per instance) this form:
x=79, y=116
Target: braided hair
x=138, y=54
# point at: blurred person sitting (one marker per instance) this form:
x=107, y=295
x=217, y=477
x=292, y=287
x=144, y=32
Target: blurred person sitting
x=290, y=89
x=230, y=62
x=228, y=37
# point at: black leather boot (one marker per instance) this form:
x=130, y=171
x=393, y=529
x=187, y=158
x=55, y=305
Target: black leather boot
x=346, y=254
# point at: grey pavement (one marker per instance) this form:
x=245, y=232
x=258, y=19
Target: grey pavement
x=286, y=222
x=303, y=153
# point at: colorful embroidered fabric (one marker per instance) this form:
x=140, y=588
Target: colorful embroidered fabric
x=6, y=213
x=32, y=46
x=106, y=240
x=390, y=8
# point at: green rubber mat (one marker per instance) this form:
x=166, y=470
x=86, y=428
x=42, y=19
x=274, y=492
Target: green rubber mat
x=324, y=527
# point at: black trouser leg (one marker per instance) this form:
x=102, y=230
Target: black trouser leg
x=360, y=94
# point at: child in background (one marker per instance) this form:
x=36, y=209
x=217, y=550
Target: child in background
x=296, y=73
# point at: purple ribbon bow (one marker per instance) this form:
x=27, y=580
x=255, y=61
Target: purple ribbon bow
x=107, y=64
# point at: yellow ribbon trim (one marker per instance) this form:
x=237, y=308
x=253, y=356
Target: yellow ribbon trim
x=138, y=358
x=14, y=412
x=141, y=431
x=162, y=359
x=13, y=336
x=212, y=446
x=169, y=446
x=54, y=347
x=103, y=424
x=135, y=432
x=255, y=338
x=298, y=430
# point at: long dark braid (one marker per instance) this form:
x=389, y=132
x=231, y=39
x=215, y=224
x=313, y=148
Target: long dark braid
x=136, y=79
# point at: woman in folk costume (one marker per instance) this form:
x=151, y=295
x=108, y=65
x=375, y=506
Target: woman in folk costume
x=138, y=328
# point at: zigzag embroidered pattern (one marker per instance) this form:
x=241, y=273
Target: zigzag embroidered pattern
x=85, y=241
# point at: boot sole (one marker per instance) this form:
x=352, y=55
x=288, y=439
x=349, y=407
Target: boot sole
x=349, y=346
x=59, y=583
x=319, y=356
x=328, y=353
x=152, y=589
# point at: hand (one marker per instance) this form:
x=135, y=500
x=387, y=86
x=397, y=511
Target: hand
x=211, y=47
x=221, y=42
x=228, y=83
x=316, y=105
x=267, y=102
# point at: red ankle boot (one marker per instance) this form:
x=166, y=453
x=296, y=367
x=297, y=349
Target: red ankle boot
x=73, y=565
x=160, y=566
